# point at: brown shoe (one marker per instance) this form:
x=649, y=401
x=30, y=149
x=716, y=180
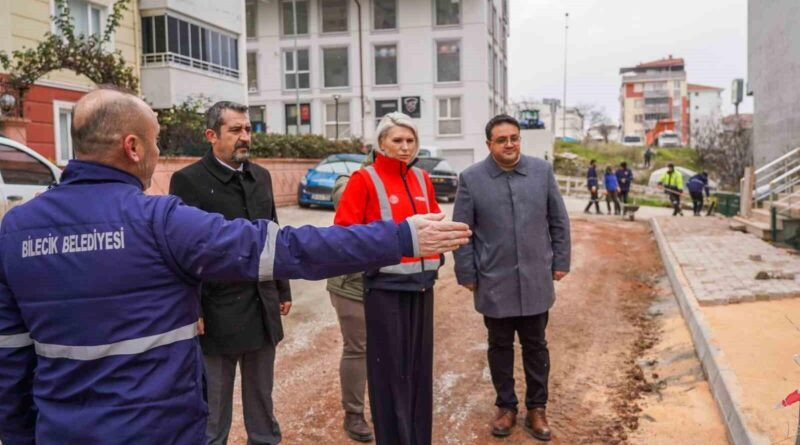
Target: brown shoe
x=357, y=428
x=536, y=424
x=504, y=420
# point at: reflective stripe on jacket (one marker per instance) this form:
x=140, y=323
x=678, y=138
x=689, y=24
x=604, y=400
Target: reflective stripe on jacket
x=389, y=190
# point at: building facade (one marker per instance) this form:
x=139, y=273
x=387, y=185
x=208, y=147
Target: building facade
x=192, y=48
x=773, y=61
x=47, y=106
x=705, y=111
x=654, y=92
x=335, y=67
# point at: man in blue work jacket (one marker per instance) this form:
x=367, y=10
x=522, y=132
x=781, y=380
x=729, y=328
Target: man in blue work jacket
x=99, y=287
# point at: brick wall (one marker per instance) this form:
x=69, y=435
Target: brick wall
x=286, y=175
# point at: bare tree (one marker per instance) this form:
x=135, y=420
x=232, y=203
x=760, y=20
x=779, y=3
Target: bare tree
x=726, y=151
x=596, y=118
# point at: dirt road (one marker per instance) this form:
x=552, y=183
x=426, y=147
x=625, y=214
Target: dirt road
x=597, y=331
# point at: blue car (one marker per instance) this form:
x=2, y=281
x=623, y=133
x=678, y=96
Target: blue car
x=317, y=185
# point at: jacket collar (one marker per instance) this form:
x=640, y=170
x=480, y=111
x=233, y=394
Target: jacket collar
x=88, y=171
x=392, y=165
x=495, y=170
x=222, y=173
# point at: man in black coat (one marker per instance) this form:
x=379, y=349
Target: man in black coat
x=242, y=320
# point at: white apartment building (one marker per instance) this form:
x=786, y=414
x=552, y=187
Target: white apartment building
x=444, y=62
x=705, y=110
x=191, y=48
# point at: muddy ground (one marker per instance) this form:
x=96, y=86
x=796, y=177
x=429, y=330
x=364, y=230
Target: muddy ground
x=599, y=327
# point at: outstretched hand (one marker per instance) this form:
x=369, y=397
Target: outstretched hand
x=435, y=236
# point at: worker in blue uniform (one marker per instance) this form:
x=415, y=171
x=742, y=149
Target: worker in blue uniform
x=99, y=287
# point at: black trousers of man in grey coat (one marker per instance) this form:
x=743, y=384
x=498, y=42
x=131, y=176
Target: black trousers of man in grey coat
x=535, y=359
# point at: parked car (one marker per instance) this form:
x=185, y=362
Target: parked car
x=427, y=151
x=23, y=173
x=632, y=141
x=317, y=185
x=443, y=177
x=669, y=139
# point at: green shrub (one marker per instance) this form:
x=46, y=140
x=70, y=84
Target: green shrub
x=273, y=145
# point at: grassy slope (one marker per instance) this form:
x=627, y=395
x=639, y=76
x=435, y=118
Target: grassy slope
x=613, y=153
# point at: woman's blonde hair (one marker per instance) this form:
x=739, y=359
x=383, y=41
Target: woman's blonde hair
x=394, y=119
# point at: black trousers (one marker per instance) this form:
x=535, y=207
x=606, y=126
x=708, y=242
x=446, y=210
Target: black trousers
x=535, y=358
x=612, y=197
x=697, y=202
x=624, y=195
x=400, y=365
x=594, y=200
x=675, y=200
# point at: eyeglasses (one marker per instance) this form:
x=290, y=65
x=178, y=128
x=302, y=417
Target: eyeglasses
x=504, y=140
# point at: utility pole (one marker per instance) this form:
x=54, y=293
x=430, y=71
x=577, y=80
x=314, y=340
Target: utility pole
x=564, y=109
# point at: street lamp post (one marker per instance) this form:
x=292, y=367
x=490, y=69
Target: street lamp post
x=336, y=98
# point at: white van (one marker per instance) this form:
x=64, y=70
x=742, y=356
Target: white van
x=669, y=139
x=23, y=173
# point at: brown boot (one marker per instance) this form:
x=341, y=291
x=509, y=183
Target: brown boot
x=504, y=420
x=536, y=424
x=357, y=428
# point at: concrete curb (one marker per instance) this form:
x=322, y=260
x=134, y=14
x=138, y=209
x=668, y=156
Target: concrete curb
x=721, y=378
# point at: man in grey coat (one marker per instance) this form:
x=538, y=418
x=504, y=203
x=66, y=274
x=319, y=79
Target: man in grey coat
x=519, y=247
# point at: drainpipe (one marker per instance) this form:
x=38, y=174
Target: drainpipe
x=360, y=67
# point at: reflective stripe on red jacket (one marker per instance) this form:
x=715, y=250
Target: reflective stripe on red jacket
x=390, y=190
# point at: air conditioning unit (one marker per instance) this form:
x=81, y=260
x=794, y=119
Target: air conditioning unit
x=252, y=90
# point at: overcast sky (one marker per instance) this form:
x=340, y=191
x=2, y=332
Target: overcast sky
x=604, y=35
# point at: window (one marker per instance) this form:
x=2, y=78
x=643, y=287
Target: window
x=637, y=88
x=252, y=72
x=384, y=107
x=491, y=68
x=638, y=118
x=676, y=84
x=656, y=100
x=334, y=15
x=386, y=65
x=62, y=119
x=448, y=12
x=288, y=17
x=384, y=14
x=170, y=40
x=342, y=120
x=295, y=69
x=291, y=118
x=335, y=68
x=638, y=103
x=88, y=18
x=250, y=18
x=20, y=168
x=448, y=61
x=496, y=69
x=449, y=116
x=257, y=118
x=337, y=165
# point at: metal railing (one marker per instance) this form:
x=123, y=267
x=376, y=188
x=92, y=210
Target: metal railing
x=167, y=59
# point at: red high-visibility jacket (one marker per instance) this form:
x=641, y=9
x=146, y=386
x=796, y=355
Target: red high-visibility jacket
x=390, y=190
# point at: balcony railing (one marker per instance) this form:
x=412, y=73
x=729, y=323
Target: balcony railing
x=166, y=59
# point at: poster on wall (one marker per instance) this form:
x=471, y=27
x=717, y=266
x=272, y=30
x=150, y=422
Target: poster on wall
x=411, y=106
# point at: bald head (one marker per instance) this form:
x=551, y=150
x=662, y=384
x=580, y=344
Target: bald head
x=101, y=120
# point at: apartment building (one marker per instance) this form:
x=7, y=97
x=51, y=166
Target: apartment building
x=191, y=48
x=47, y=106
x=705, y=111
x=654, y=92
x=335, y=67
